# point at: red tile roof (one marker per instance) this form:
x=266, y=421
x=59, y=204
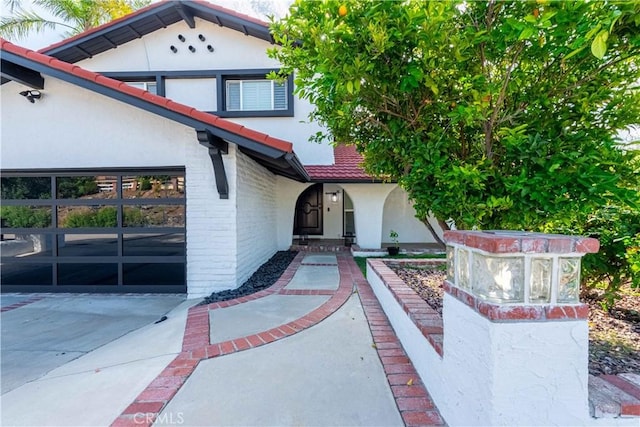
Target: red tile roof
x=190, y=112
x=144, y=10
x=346, y=167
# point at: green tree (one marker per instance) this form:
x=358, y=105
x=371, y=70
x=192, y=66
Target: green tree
x=494, y=114
x=75, y=187
x=74, y=15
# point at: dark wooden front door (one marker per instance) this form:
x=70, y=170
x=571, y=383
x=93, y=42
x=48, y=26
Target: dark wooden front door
x=308, y=216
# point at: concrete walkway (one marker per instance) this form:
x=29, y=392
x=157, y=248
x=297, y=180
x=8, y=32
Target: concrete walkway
x=313, y=349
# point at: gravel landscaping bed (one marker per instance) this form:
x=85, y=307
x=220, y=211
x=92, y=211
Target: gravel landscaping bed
x=614, y=336
x=264, y=277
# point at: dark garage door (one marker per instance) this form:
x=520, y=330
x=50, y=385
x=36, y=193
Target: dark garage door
x=94, y=231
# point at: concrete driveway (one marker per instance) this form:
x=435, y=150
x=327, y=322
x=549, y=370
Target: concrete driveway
x=44, y=334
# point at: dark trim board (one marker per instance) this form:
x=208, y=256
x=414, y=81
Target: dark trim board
x=217, y=147
x=21, y=74
x=96, y=289
x=289, y=167
x=221, y=76
x=150, y=19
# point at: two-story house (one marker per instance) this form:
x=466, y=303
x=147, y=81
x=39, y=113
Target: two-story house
x=152, y=154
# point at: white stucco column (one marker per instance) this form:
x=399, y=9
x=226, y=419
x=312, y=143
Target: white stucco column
x=368, y=208
x=287, y=193
x=515, y=333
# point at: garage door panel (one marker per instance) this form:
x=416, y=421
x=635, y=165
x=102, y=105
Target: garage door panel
x=120, y=230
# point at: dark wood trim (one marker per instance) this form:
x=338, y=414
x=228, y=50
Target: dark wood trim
x=217, y=147
x=157, y=18
x=218, y=169
x=268, y=113
x=83, y=52
x=120, y=75
x=96, y=289
x=147, y=106
x=109, y=41
x=186, y=15
x=222, y=112
x=133, y=30
x=21, y=74
x=221, y=77
x=161, y=88
x=162, y=15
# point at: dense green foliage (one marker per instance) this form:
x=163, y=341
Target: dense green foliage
x=75, y=187
x=25, y=216
x=106, y=217
x=25, y=188
x=494, y=114
x=103, y=217
x=618, y=260
x=74, y=15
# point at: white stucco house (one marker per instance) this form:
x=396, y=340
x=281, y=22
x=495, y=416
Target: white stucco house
x=175, y=96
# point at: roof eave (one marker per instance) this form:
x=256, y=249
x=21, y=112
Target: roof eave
x=274, y=153
x=186, y=11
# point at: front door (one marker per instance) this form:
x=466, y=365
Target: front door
x=308, y=215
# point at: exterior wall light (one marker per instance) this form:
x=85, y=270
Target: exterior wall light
x=334, y=195
x=31, y=95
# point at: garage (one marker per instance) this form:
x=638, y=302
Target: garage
x=95, y=230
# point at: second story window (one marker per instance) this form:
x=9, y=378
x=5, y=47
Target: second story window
x=255, y=95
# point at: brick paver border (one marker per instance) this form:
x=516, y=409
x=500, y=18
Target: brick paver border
x=414, y=402
x=412, y=399
x=27, y=301
x=196, y=347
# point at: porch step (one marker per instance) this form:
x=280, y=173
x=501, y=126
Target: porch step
x=612, y=396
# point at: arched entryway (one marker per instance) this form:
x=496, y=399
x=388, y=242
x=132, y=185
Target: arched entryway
x=324, y=213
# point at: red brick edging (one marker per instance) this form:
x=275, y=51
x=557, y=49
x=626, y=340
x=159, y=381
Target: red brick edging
x=528, y=312
x=414, y=403
x=27, y=301
x=426, y=319
x=196, y=347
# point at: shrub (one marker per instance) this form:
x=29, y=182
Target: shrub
x=103, y=217
x=145, y=183
x=25, y=216
x=133, y=217
x=618, y=260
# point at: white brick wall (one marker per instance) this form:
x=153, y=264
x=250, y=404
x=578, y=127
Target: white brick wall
x=211, y=225
x=227, y=239
x=256, y=216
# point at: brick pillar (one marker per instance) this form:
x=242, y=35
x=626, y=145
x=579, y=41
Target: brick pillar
x=516, y=335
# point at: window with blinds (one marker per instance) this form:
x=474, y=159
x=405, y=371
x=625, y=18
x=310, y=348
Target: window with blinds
x=255, y=95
